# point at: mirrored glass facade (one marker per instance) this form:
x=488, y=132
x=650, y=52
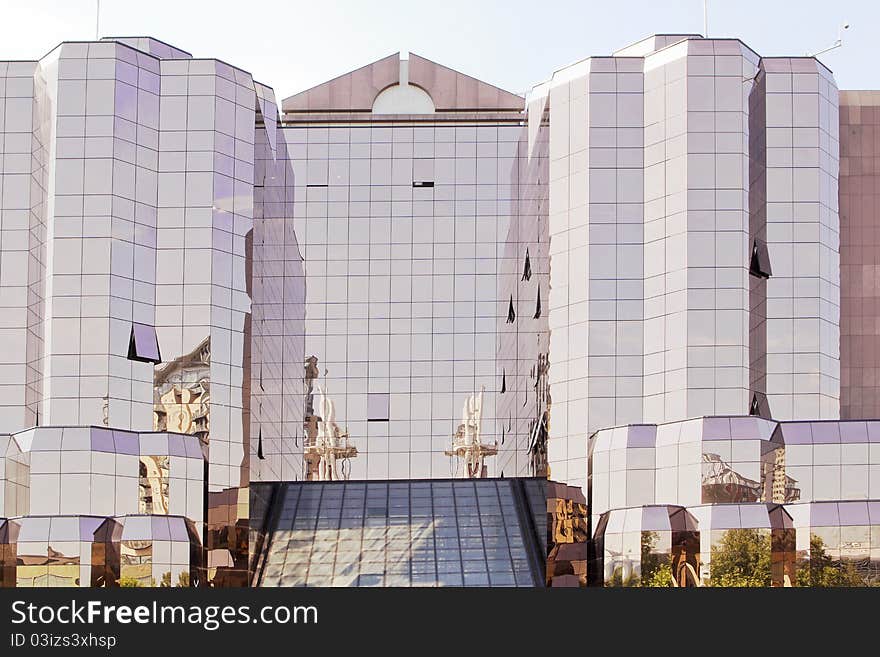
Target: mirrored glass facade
x=774, y=503
x=630, y=308
x=402, y=206
x=90, y=506
x=693, y=236
x=153, y=283
x=859, y=253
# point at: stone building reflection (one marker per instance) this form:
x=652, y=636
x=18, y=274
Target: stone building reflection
x=328, y=450
x=182, y=393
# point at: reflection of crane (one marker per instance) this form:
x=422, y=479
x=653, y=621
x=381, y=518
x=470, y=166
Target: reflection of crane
x=467, y=447
x=331, y=443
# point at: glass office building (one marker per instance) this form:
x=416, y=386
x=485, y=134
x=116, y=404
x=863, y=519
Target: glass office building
x=736, y=501
x=152, y=293
x=693, y=239
x=241, y=337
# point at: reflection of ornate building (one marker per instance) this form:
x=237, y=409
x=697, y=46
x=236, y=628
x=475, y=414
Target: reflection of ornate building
x=653, y=546
x=328, y=453
x=182, y=393
x=566, y=536
x=175, y=319
x=722, y=483
x=796, y=496
x=130, y=515
x=468, y=450
x=539, y=425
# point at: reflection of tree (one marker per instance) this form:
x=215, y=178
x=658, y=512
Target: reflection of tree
x=182, y=579
x=656, y=569
x=822, y=570
x=741, y=558
x=129, y=582
x=617, y=579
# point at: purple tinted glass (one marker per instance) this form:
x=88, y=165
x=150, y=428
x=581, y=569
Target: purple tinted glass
x=102, y=440
x=797, y=433
x=88, y=526
x=853, y=432
x=655, y=518
x=176, y=444
x=744, y=427
x=160, y=529
x=642, y=436
x=193, y=448
x=826, y=432
x=126, y=442
x=145, y=343
x=853, y=513
x=824, y=514
x=716, y=428
x=177, y=529
x=377, y=406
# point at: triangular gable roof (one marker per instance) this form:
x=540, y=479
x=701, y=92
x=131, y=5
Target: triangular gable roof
x=351, y=92
x=450, y=90
x=454, y=91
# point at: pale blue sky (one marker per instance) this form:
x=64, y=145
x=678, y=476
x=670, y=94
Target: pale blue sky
x=515, y=44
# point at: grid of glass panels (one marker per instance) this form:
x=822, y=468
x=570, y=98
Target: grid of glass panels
x=536, y=498
x=522, y=404
x=418, y=533
x=859, y=247
x=401, y=294
x=803, y=294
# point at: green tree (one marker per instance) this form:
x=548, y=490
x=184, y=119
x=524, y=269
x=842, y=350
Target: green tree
x=741, y=559
x=183, y=578
x=821, y=570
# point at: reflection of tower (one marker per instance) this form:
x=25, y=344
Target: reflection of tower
x=781, y=486
x=538, y=429
x=327, y=451
x=310, y=422
x=467, y=448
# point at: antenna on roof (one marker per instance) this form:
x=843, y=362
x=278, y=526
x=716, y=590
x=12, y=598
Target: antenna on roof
x=706, y=18
x=97, y=20
x=836, y=44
